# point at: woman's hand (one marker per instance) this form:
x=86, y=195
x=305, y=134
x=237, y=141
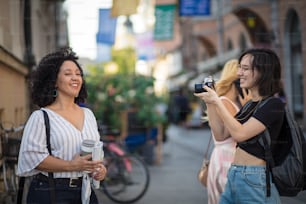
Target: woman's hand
x=209, y=97
x=246, y=97
x=96, y=168
x=84, y=163
x=99, y=173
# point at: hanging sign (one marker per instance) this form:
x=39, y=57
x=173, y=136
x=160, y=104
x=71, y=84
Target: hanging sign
x=194, y=7
x=164, y=23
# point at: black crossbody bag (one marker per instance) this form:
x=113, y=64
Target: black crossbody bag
x=50, y=174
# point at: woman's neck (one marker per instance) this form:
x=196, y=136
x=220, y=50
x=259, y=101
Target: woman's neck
x=63, y=104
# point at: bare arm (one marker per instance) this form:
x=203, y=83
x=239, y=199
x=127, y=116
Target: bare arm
x=239, y=132
x=216, y=124
x=79, y=163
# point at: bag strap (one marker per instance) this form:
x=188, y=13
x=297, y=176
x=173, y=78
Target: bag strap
x=50, y=177
x=20, y=189
x=50, y=174
x=265, y=141
x=269, y=160
x=207, y=148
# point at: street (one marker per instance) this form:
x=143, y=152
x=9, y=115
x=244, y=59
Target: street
x=174, y=181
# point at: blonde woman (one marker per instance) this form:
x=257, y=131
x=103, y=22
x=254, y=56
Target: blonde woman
x=223, y=152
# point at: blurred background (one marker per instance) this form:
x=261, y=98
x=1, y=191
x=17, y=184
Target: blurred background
x=167, y=44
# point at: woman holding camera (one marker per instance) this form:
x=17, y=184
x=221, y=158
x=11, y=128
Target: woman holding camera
x=259, y=71
x=57, y=86
x=224, y=145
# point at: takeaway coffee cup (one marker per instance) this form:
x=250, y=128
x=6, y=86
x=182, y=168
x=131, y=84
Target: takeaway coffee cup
x=87, y=147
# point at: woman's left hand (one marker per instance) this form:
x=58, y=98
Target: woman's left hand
x=209, y=97
x=100, y=172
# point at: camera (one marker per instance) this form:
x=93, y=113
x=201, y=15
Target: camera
x=208, y=81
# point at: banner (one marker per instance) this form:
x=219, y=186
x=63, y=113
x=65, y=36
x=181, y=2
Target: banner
x=104, y=52
x=107, y=27
x=145, y=46
x=164, y=22
x=124, y=7
x=194, y=7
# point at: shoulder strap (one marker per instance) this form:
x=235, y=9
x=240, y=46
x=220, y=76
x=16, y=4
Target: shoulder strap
x=51, y=181
x=47, y=124
x=265, y=141
x=20, y=189
x=269, y=158
x=50, y=174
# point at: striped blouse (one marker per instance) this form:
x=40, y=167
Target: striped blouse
x=65, y=141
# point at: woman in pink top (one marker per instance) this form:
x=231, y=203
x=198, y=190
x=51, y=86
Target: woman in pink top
x=223, y=152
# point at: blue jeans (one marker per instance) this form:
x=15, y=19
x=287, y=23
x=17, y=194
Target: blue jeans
x=247, y=185
x=39, y=193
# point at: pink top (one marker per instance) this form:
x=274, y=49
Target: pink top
x=220, y=160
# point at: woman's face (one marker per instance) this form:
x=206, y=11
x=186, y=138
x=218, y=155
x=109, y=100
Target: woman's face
x=69, y=79
x=247, y=76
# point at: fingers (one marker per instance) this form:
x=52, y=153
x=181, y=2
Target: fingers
x=87, y=157
x=100, y=173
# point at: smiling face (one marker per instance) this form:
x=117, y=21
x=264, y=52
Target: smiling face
x=248, y=76
x=69, y=79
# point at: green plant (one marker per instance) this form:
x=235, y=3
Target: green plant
x=110, y=95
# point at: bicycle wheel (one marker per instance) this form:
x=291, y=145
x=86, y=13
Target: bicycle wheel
x=10, y=181
x=127, y=179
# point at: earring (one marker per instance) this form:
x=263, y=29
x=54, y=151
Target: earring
x=55, y=93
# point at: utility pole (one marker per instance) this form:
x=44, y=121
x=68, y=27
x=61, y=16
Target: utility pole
x=220, y=28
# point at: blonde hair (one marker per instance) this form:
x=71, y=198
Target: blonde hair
x=228, y=76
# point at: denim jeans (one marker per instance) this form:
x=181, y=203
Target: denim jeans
x=39, y=193
x=247, y=185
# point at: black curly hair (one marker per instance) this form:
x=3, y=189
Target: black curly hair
x=44, y=77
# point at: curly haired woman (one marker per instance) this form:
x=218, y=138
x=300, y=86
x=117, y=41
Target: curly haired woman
x=57, y=86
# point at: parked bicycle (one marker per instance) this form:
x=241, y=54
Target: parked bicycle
x=128, y=177
x=10, y=139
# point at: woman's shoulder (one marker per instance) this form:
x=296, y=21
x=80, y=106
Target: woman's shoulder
x=35, y=117
x=229, y=102
x=273, y=102
x=88, y=111
x=37, y=113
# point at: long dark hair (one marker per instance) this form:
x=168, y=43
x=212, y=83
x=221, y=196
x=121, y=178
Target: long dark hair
x=267, y=63
x=44, y=77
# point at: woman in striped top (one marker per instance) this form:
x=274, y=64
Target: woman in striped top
x=57, y=87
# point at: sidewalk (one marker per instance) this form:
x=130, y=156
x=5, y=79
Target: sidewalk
x=174, y=181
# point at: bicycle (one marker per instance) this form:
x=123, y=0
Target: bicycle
x=128, y=177
x=10, y=139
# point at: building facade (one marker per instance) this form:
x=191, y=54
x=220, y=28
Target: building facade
x=28, y=30
x=235, y=25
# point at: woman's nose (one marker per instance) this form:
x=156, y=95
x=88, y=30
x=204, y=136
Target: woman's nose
x=239, y=72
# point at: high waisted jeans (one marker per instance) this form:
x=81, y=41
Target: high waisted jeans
x=247, y=185
x=39, y=193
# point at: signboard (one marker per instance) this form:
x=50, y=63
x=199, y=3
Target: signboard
x=194, y=7
x=164, y=23
x=145, y=46
x=107, y=27
x=124, y=7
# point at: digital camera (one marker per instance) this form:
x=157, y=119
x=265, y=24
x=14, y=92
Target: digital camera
x=208, y=81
